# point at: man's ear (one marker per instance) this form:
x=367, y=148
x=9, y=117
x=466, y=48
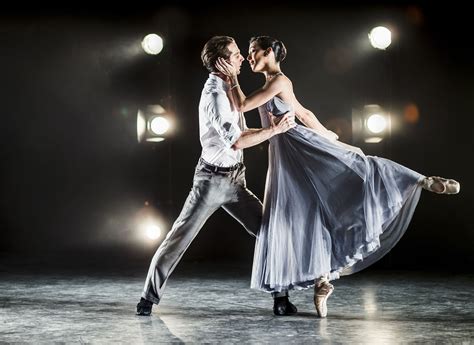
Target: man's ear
x=267, y=51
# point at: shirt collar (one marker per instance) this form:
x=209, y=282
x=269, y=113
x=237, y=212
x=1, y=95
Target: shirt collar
x=219, y=81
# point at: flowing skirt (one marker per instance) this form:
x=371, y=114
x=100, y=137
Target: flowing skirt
x=328, y=209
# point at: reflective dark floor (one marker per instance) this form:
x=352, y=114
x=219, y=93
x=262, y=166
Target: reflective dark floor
x=214, y=304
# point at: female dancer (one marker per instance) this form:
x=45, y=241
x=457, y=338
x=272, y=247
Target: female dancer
x=329, y=209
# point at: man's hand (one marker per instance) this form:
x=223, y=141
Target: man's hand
x=284, y=123
x=225, y=68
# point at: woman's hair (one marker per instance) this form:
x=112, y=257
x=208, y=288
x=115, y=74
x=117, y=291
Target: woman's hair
x=266, y=42
x=214, y=48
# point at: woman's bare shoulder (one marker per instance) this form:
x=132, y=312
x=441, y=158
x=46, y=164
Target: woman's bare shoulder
x=283, y=81
x=286, y=87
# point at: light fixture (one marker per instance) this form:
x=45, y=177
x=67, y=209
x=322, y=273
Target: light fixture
x=149, y=225
x=154, y=124
x=376, y=123
x=152, y=44
x=370, y=125
x=153, y=231
x=380, y=37
x=159, y=125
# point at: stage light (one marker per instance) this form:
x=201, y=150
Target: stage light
x=380, y=37
x=153, y=232
x=159, y=125
x=154, y=124
x=149, y=225
x=370, y=125
x=152, y=44
x=376, y=123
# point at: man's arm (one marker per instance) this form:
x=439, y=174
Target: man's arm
x=254, y=136
x=223, y=120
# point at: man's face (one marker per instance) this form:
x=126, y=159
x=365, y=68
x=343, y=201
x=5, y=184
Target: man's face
x=235, y=58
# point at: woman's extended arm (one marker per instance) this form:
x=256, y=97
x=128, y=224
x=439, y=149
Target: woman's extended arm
x=309, y=120
x=255, y=99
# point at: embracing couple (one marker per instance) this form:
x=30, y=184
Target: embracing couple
x=329, y=210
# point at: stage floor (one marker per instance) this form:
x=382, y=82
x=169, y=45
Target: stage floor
x=213, y=304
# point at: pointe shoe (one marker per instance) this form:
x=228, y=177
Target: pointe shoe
x=322, y=290
x=441, y=185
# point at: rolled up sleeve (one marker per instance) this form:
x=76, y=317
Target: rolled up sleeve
x=223, y=119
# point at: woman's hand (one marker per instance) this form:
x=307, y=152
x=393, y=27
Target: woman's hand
x=331, y=135
x=225, y=67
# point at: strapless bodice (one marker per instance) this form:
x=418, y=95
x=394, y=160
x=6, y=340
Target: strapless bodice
x=277, y=106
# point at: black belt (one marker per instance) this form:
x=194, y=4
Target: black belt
x=216, y=169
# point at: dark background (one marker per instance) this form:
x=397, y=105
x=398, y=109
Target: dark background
x=74, y=179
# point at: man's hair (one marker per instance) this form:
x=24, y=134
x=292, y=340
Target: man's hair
x=214, y=48
x=266, y=42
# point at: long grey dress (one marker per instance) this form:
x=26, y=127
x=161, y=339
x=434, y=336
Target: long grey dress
x=328, y=208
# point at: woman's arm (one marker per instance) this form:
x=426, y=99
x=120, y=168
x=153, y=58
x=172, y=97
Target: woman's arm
x=307, y=117
x=258, y=97
x=309, y=120
x=255, y=99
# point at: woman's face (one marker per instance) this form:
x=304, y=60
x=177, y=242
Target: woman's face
x=256, y=58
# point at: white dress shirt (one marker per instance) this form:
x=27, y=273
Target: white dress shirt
x=220, y=125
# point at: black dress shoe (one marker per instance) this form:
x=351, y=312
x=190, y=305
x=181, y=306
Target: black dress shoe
x=283, y=307
x=144, y=307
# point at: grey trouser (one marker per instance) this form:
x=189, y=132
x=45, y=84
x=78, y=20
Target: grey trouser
x=209, y=192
